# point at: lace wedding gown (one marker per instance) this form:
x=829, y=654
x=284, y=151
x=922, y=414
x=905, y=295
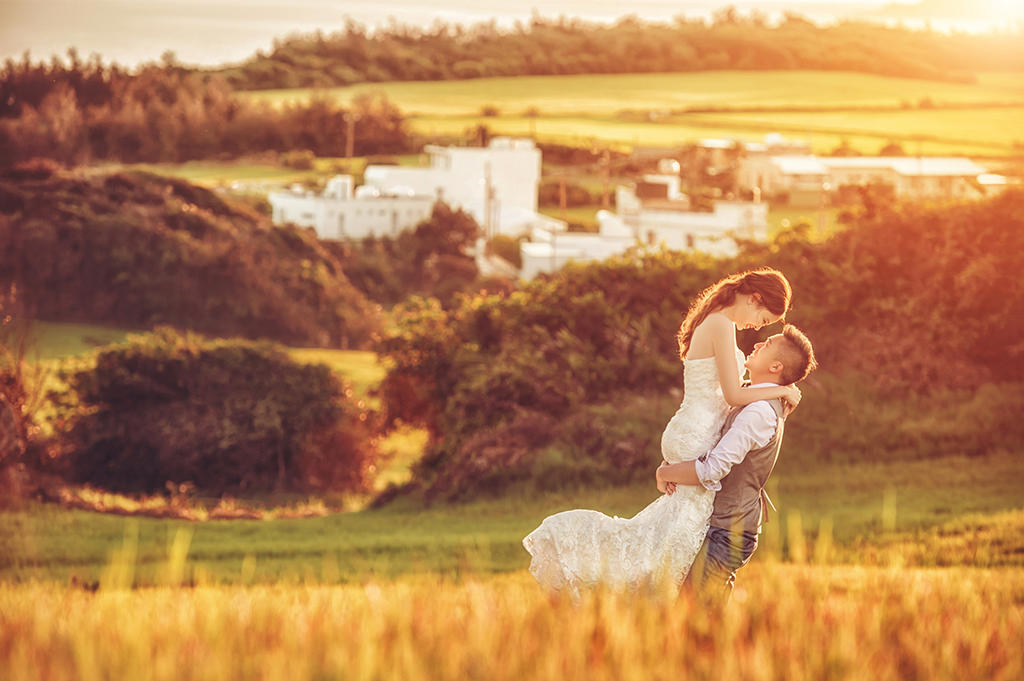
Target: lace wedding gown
x=582, y=548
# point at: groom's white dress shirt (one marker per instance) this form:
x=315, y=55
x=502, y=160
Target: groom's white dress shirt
x=753, y=427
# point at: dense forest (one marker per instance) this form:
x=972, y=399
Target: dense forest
x=77, y=112
x=572, y=46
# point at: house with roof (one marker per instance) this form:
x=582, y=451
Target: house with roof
x=654, y=213
x=496, y=184
x=807, y=180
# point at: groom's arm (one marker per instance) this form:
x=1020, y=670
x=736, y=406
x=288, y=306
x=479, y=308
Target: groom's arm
x=752, y=428
x=684, y=473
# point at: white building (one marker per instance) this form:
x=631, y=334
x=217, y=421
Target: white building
x=653, y=213
x=461, y=176
x=496, y=184
x=807, y=179
x=720, y=152
x=341, y=213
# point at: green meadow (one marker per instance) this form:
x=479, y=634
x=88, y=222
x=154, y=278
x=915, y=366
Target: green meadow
x=824, y=107
x=897, y=513
x=870, y=571
x=955, y=510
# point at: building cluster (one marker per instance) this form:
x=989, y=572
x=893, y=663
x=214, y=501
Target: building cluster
x=498, y=185
x=653, y=212
x=808, y=180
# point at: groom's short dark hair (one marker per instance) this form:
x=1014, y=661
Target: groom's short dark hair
x=796, y=354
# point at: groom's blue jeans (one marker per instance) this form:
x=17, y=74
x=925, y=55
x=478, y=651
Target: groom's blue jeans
x=714, y=570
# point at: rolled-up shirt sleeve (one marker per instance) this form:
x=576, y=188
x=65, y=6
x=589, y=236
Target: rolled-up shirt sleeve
x=752, y=428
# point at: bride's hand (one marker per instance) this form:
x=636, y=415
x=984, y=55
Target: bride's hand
x=792, y=398
x=662, y=485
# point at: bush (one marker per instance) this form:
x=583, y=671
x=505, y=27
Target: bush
x=137, y=250
x=432, y=259
x=902, y=301
x=550, y=194
x=507, y=248
x=226, y=416
x=299, y=160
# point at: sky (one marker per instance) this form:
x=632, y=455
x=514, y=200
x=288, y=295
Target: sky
x=213, y=32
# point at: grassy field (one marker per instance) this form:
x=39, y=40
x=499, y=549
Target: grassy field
x=825, y=108
x=611, y=93
x=242, y=175
x=889, y=570
x=785, y=622
x=973, y=512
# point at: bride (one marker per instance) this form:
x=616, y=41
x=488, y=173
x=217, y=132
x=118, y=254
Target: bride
x=581, y=548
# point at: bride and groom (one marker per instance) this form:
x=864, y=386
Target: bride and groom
x=719, y=449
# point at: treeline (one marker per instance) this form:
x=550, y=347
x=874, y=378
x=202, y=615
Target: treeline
x=915, y=311
x=572, y=46
x=136, y=250
x=78, y=112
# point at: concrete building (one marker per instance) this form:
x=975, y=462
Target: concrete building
x=653, y=213
x=720, y=152
x=343, y=213
x=496, y=184
x=806, y=179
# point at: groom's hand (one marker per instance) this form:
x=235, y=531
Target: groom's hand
x=664, y=486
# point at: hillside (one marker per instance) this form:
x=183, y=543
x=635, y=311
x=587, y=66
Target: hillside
x=136, y=250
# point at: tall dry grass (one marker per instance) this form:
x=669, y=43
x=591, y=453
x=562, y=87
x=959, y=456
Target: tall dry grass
x=785, y=622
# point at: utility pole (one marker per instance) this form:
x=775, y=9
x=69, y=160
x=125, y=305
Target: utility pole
x=350, y=135
x=606, y=172
x=488, y=198
x=561, y=197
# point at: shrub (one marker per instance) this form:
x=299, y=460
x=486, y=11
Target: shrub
x=299, y=160
x=136, y=250
x=902, y=300
x=507, y=247
x=226, y=416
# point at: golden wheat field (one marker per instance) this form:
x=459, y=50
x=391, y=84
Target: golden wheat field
x=785, y=621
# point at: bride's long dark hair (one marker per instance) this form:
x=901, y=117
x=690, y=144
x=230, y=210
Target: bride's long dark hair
x=768, y=283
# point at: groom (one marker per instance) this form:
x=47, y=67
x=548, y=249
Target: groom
x=738, y=467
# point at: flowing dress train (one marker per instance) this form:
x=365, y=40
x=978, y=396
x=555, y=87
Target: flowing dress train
x=583, y=548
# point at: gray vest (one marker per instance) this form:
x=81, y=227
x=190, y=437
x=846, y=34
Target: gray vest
x=742, y=502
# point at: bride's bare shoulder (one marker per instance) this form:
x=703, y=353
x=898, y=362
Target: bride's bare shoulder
x=714, y=322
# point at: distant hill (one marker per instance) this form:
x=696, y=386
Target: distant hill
x=138, y=250
x=573, y=46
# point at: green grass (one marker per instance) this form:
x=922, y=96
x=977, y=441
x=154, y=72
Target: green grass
x=881, y=505
x=581, y=215
x=610, y=93
x=56, y=340
x=866, y=111
x=858, y=130
x=241, y=174
x=360, y=367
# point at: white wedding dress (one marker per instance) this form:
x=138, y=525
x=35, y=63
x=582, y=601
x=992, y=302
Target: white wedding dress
x=581, y=548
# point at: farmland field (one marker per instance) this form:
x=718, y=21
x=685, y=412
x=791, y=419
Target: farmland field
x=824, y=108
x=787, y=621
x=883, y=570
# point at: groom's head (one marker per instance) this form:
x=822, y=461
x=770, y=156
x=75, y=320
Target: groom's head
x=784, y=358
